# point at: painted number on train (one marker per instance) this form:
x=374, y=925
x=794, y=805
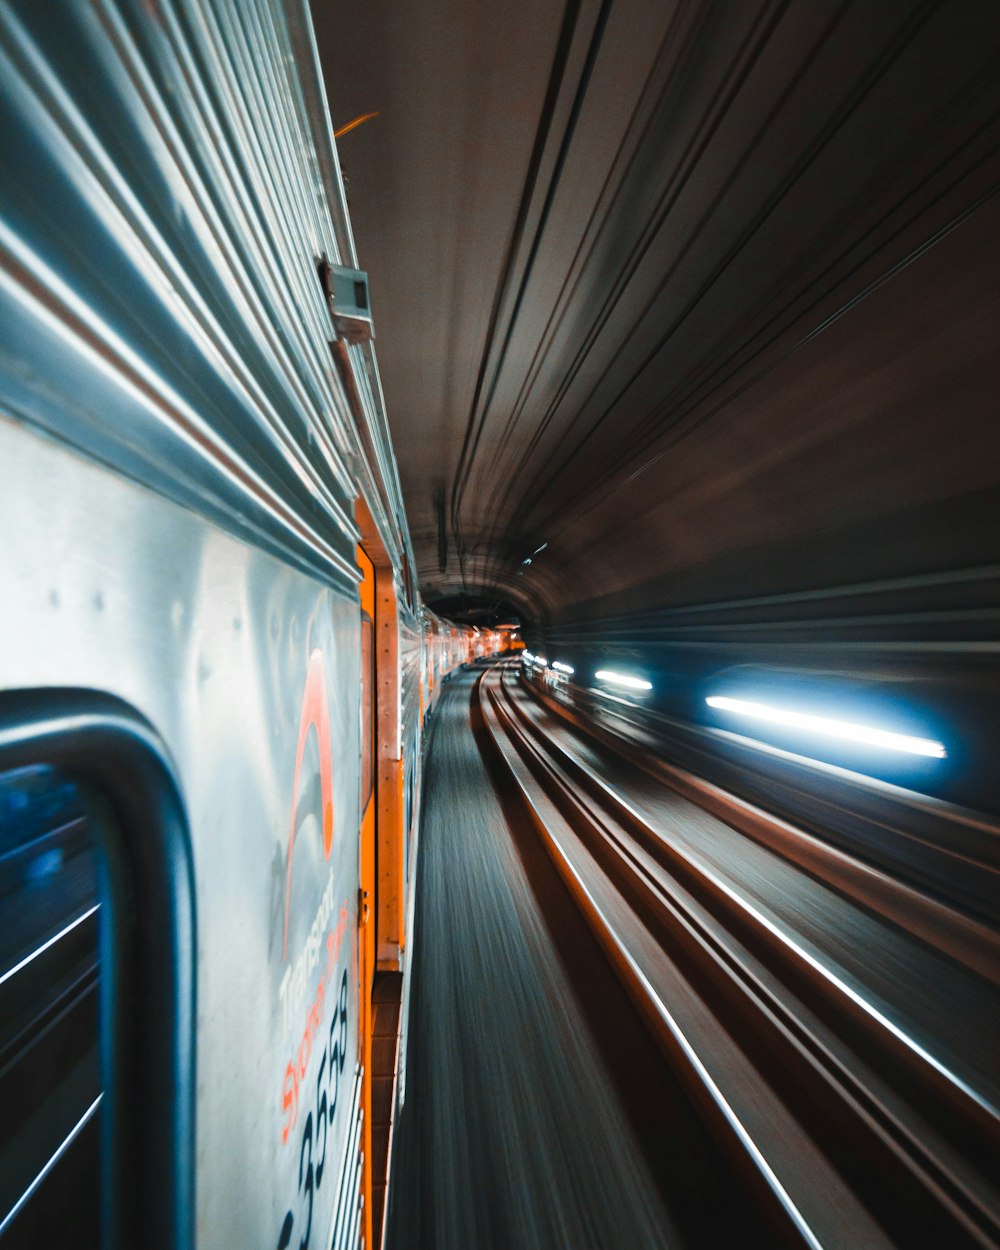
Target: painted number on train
x=312, y=1167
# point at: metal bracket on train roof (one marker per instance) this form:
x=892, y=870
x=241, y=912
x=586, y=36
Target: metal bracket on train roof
x=346, y=292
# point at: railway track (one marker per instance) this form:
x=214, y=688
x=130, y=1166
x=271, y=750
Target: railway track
x=848, y=1125
x=943, y=850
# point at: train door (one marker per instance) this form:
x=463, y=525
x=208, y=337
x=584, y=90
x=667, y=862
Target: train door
x=367, y=911
x=96, y=978
x=382, y=905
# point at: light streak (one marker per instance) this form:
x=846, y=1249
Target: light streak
x=354, y=124
x=60, y=1151
x=622, y=679
x=46, y=945
x=830, y=728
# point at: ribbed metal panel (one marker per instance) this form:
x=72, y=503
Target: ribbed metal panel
x=163, y=213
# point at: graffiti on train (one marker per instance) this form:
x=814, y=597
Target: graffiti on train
x=313, y=993
x=293, y=994
x=315, y=716
x=312, y=1143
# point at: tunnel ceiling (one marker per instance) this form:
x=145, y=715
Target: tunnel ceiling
x=680, y=302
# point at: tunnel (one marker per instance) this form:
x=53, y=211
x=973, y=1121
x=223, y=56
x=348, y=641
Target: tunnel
x=499, y=599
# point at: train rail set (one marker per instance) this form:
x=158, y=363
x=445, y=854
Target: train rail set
x=787, y=984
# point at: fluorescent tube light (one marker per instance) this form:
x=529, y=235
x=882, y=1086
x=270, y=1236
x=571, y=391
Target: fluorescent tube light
x=621, y=679
x=831, y=728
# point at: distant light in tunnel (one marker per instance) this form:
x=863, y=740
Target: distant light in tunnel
x=526, y=560
x=830, y=728
x=539, y=550
x=560, y=667
x=540, y=661
x=527, y=657
x=621, y=679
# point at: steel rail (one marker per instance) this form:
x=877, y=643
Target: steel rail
x=889, y=1127
x=831, y=997
x=48, y=943
x=963, y=938
x=61, y=1149
x=974, y=945
x=734, y=1136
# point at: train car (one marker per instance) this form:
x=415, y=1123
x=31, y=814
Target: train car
x=214, y=666
x=440, y=657
x=446, y=647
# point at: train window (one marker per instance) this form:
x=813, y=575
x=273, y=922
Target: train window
x=50, y=1061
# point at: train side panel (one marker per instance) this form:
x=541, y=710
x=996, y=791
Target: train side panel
x=247, y=671
x=182, y=451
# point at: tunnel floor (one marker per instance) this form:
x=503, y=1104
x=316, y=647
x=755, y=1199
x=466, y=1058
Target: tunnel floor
x=512, y=1133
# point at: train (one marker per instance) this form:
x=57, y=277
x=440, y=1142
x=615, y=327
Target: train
x=215, y=667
